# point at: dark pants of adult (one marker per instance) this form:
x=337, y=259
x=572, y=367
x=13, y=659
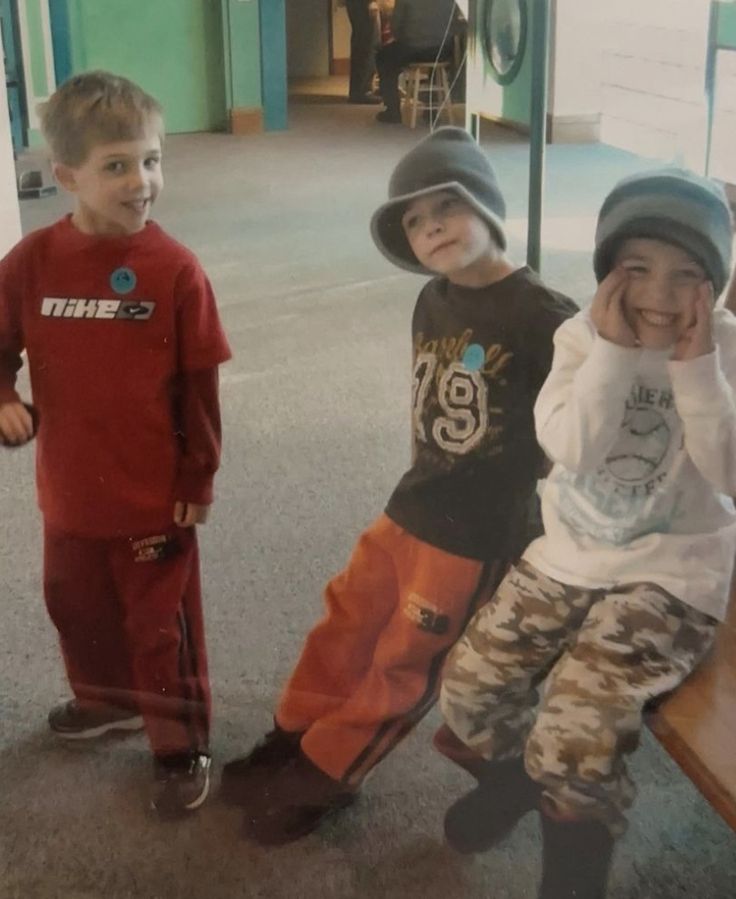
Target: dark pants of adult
x=390, y=60
x=362, y=48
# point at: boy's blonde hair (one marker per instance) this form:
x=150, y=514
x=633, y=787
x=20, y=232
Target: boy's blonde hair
x=94, y=108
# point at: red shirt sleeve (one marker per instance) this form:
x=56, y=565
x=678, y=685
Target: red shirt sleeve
x=201, y=340
x=202, y=346
x=11, y=332
x=201, y=435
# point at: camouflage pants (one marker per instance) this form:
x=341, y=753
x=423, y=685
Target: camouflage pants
x=605, y=654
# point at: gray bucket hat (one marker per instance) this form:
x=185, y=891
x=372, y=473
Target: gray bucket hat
x=448, y=159
x=673, y=205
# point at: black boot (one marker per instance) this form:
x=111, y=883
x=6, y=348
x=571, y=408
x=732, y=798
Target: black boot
x=481, y=818
x=576, y=856
x=389, y=116
x=294, y=802
x=242, y=776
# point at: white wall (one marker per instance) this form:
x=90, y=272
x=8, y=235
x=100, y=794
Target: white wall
x=576, y=59
x=9, y=211
x=653, y=69
x=723, y=157
x=340, y=32
x=639, y=65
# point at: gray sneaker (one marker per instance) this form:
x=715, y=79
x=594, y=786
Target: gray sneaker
x=73, y=721
x=181, y=784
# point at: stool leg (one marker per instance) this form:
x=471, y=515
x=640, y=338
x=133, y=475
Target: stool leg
x=433, y=95
x=408, y=93
x=446, y=98
x=415, y=99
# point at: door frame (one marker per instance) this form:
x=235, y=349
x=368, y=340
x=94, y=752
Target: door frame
x=48, y=77
x=15, y=89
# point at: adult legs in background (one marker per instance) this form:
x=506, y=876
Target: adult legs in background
x=390, y=60
x=362, y=50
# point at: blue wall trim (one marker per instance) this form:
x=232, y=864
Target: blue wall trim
x=273, y=64
x=61, y=39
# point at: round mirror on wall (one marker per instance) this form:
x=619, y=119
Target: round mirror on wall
x=504, y=25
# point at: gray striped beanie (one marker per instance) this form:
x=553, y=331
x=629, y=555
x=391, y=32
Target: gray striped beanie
x=673, y=205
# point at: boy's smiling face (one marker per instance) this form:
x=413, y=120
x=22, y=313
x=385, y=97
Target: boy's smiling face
x=447, y=235
x=116, y=185
x=662, y=285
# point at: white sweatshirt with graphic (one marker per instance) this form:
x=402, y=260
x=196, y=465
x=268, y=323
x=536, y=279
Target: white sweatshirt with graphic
x=644, y=453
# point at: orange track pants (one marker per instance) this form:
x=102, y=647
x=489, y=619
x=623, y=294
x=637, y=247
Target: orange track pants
x=369, y=671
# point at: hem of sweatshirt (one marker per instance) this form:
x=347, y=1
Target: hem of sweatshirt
x=538, y=560
x=131, y=527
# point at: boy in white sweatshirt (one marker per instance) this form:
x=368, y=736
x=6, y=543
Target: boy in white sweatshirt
x=620, y=599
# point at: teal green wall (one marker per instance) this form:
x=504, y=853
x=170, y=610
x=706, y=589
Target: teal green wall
x=38, y=63
x=199, y=58
x=39, y=81
x=172, y=48
x=726, y=32
x=243, y=68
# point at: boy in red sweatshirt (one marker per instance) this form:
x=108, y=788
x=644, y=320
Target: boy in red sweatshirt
x=123, y=340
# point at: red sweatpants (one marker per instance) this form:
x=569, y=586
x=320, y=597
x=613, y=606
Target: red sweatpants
x=369, y=671
x=129, y=617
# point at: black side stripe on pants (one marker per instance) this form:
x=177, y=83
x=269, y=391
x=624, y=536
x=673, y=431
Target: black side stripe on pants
x=186, y=710
x=491, y=574
x=193, y=713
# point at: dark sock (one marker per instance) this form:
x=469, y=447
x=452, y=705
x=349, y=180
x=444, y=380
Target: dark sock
x=485, y=815
x=576, y=857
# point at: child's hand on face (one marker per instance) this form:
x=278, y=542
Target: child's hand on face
x=186, y=515
x=697, y=340
x=607, y=310
x=16, y=424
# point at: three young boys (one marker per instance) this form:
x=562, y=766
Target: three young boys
x=619, y=598
x=123, y=341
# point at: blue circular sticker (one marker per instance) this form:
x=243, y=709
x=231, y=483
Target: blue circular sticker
x=474, y=357
x=123, y=280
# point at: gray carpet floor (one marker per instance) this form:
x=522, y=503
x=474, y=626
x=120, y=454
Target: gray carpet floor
x=315, y=407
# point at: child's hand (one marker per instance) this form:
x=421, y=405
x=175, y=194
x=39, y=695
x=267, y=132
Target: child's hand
x=607, y=311
x=16, y=424
x=697, y=340
x=188, y=514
